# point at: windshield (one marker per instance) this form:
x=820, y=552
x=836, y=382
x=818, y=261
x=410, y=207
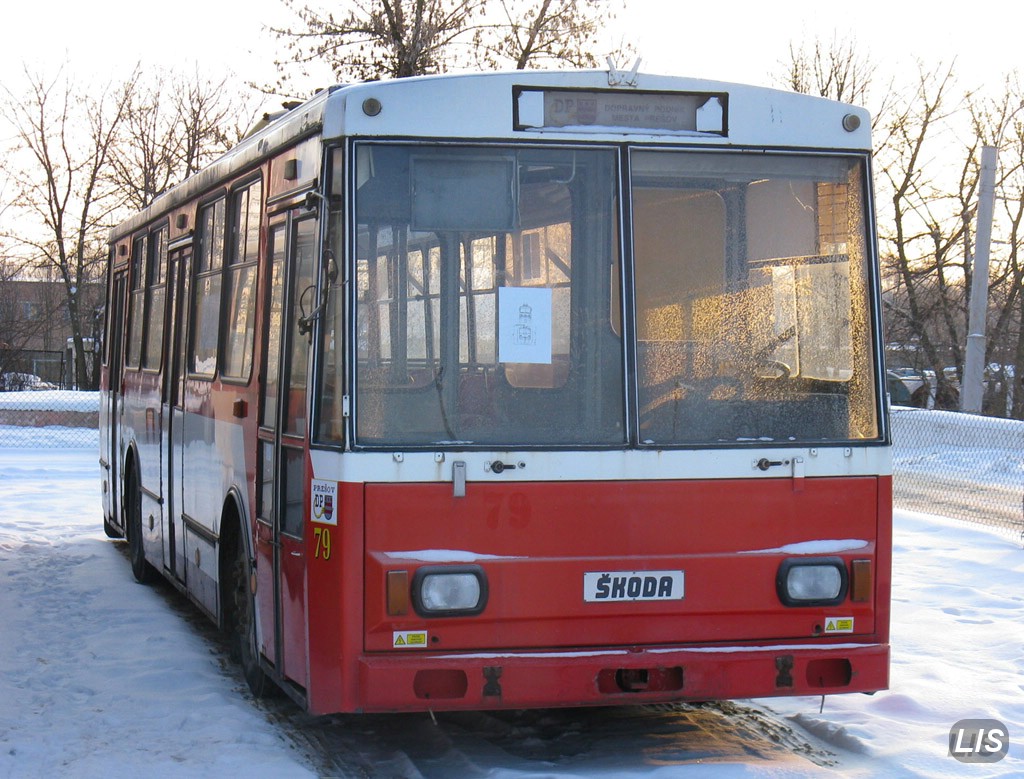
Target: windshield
x=484, y=281
x=752, y=307
x=488, y=308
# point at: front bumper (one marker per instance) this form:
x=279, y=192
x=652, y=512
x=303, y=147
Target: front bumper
x=417, y=681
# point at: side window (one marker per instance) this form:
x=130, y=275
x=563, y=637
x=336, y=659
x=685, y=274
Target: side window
x=137, y=302
x=273, y=319
x=243, y=252
x=304, y=237
x=209, y=260
x=156, y=280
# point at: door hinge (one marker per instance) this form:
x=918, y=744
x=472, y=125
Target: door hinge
x=345, y=406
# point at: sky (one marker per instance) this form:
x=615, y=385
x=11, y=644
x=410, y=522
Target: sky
x=715, y=40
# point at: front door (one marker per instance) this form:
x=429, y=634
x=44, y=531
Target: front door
x=283, y=437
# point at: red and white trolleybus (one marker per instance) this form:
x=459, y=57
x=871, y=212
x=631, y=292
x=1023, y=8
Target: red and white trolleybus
x=515, y=390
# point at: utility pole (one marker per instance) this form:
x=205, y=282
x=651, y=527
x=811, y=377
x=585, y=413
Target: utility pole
x=972, y=391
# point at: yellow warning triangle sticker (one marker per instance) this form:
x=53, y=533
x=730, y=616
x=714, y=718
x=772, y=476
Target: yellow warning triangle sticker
x=399, y=641
x=830, y=625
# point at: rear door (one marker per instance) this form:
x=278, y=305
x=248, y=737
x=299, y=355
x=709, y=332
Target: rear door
x=179, y=270
x=112, y=446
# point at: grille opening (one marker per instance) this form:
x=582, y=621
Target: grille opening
x=633, y=680
x=440, y=684
x=829, y=673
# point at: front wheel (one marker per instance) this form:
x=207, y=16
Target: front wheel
x=243, y=625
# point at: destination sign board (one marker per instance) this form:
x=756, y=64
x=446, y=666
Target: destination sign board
x=621, y=111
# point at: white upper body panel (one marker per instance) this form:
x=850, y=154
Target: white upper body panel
x=484, y=106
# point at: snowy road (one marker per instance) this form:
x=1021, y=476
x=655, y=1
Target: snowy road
x=572, y=742
x=101, y=677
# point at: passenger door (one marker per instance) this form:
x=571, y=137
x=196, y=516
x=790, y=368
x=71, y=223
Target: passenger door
x=178, y=274
x=283, y=437
x=115, y=361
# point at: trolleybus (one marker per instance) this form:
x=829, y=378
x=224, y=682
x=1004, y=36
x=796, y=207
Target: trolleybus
x=515, y=390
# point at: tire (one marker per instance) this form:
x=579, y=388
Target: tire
x=143, y=572
x=242, y=625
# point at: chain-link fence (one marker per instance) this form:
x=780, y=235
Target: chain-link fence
x=960, y=465
x=49, y=418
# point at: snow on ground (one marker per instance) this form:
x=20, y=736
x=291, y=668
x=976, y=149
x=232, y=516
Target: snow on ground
x=100, y=677
x=957, y=653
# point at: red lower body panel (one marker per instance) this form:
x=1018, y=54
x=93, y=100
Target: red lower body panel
x=544, y=639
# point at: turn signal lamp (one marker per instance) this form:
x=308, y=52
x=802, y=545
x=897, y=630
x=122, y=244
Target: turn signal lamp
x=861, y=581
x=398, y=593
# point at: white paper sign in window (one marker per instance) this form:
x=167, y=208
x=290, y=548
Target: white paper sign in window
x=524, y=325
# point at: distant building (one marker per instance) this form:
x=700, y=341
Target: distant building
x=35, y=325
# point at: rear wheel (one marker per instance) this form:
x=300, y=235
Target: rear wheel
x=143, y=572
x=243, y=624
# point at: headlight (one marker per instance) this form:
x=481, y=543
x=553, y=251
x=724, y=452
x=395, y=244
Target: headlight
x=448, y=590
x=818, y=581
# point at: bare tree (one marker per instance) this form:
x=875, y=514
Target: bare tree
x=528, y=33
x=925, y=216
x=212, y=116
x=837, y=70
x=930, y=170
x=927, y=150
x=63, y=140
x=173, y=126
x=998, y=122
x=927, y=226
x=145, y=164
x=376, y=39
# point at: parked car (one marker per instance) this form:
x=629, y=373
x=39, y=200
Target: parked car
x=906, y=387
x=911, y=387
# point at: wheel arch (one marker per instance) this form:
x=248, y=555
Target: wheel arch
x=131, y=467
x=233, y=525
